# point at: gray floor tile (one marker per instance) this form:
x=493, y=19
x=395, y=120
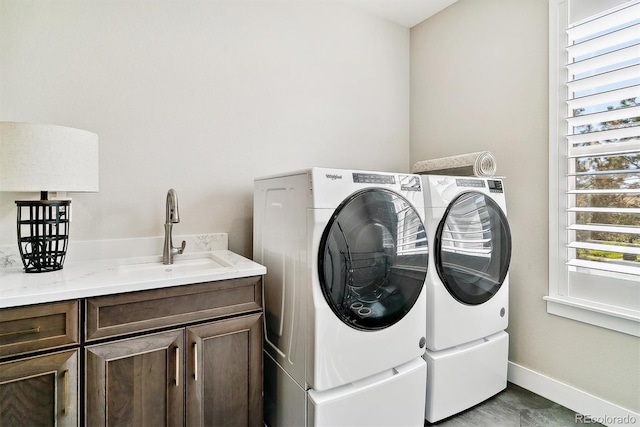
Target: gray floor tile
x=513, y=407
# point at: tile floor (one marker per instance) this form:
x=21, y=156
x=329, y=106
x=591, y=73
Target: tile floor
x=514, y=407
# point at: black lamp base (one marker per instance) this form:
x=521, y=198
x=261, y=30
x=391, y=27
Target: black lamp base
x=43, y=233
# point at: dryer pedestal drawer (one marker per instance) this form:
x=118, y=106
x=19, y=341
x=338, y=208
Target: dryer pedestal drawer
x=464, y=376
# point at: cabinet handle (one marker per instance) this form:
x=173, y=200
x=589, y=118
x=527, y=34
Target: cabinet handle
x=177, y=350
x=35, y=330
x=195, y=361
x=65, y=376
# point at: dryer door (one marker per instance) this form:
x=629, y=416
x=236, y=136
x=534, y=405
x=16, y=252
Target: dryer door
x=373, y=259
x=473, y=248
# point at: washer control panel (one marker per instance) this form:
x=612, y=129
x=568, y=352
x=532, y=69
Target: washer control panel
x=373, y=178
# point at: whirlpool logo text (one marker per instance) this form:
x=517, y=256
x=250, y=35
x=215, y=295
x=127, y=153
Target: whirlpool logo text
x=333, y=176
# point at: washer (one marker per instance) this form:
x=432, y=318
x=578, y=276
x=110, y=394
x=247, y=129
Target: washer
x=346, y=255
x=467, y=292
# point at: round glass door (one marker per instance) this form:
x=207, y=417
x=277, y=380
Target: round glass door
x=373, y=259
x=473, y=248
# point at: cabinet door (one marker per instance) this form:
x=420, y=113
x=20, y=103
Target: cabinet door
x=224, y=365
x=40, y=391
x=136, y=382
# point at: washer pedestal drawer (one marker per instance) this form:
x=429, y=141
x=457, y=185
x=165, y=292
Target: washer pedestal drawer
x=393, y=397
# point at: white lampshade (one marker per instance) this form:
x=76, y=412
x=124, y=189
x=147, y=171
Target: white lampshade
x=41, y=157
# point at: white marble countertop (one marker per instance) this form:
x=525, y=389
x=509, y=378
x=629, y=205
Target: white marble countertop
x=89, y=278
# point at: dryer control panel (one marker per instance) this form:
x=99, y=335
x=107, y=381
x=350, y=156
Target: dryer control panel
x=494, y=185
x=470, y=182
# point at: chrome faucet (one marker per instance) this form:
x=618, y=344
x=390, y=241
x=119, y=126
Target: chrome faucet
x=172, y=217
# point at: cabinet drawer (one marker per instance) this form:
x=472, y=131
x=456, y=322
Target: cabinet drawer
x=38, y=327
x=134, y=312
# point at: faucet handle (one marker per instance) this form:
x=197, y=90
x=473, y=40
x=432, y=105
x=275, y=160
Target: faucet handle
x=182, y=246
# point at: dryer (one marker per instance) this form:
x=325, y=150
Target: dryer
x=467, y=292
x=346, y=255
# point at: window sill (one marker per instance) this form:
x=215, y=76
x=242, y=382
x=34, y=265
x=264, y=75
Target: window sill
x=627, y=322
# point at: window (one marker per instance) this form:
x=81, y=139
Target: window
x=595, y=165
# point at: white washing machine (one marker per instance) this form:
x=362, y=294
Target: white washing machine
x=346, y=256
x=467, y=292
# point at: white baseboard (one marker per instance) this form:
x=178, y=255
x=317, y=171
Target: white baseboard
x=590, y=408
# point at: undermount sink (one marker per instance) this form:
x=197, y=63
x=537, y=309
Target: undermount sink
x=181, y=265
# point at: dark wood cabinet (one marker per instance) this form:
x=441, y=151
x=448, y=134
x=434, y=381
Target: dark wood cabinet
x=116, y=315
x=136, y=381
x=38, y=327
x=39, y=365
x=206, y=370
x=184, y=355
x=40, y=390
x=224, y=381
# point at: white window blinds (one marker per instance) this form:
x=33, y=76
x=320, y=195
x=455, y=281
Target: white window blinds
x=603, y=153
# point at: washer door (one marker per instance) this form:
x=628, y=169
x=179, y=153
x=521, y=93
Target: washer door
x=473, y=248
x=373, y=259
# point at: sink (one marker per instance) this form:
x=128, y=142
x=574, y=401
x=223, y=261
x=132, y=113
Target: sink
x=186, y=264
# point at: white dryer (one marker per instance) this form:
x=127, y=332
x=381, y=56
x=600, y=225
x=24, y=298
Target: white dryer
x=467, y=292
x=346, y=256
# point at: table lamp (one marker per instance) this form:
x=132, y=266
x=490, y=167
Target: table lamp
x=42, y=157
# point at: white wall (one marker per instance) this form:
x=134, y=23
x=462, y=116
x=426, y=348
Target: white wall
x=203, y=96
x=479, y=73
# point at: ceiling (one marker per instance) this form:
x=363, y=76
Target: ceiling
x=407, y=13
